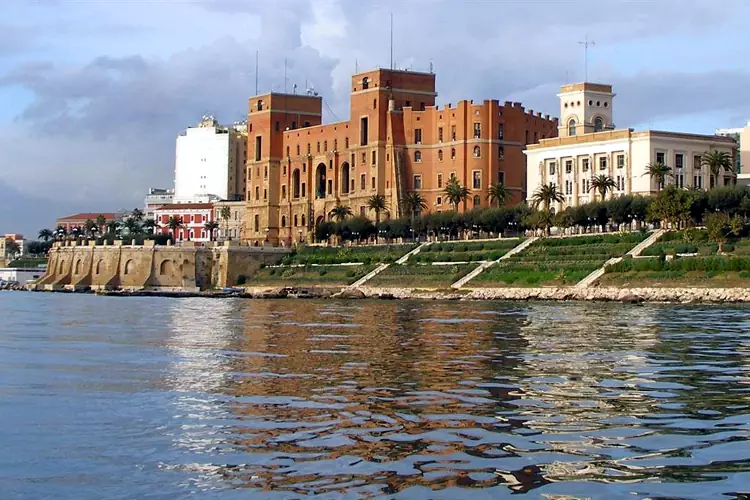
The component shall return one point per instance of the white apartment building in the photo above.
(589, 145)
(742, 137)
(210, 163)
(155, 198)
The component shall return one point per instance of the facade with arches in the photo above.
(590, 145)
(396, 140)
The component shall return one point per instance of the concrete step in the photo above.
(476, 272)
(404, 258)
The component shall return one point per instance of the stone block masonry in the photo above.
(151, 267)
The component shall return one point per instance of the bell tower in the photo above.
(585, 108)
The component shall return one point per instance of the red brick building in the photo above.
(194, 217)
(79, 220)
(396, 141)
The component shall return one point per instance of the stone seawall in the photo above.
(151, 267)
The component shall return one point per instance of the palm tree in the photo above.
(174, 223)
(456, 193)
(60, 232)
(716, 161)
(132, 225)
(137, 214)
(101, 222)
(113, 227)
(498, 193)
(658, 171)
(545, 195)
(225, 214)
(89, 227)
(149, 225)
(210, 227)
(46, 235)
(603, 183)
(377, 204)
(341, 212)
(413, 203)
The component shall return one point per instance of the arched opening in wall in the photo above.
(166, 267)
(283, 221)
(98, 269)
(345, 178)
(129, 267)
(295, 183)
(477, 152)
(256, 223)
(598, 124)
(320, 181)
(78, 267)
(320, 220)
(303, 220)
(572, 127)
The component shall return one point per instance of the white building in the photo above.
(155, 198)
(589, 145)
(21, 275)
(742, 137)
(210, 163)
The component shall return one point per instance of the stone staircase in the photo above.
(476, 272)
(382, 267)
(406, 257)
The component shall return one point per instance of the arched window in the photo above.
(295, 183)
(440, 155)
(477, 200)
(303, 219)
(256, 223)
(598, 125)
(78, 266)
(365, 83)
(417, 156)
(129, 267)
(260, 105)
(345, 178)
(572, 127)
(320, 178)
(453, 153)
(283, 221)
(477, 151)
(296, 220)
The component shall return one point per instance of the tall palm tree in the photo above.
(603, 183)
(137, 214)
(46, 235)
(210, 227)
(498, 193)
(716, 161)
(174, 223)
(341, 212)
(149, 225)
(60, 232)
(132, 226)
(377, 204)
(658, 171)
(101, 222)
(225, 213)
(113, 227)
(456, 193)
(413, 203)
(545, 195)
(90, 227)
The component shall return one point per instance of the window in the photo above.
(572, 127)
(364, 158)
(439, 201)
(440, 181)
(283, 221)
(552, 166)
(661, 158)
(335, 144)
(303, 219)
(260, 105)
(352, 189)
(620, 161)
(501, 177)
(265, 194)
(417, 136)
(363, 132)
(453, 132)
(568, 166)
(477, 180)
(698, 181)
(586, 185)
(304, 190)
(362, 211)
(678, 161)
(500, 132)
(421, 106)
(418, 156)
(287, 150)
(374, 104)
(417, 182)
(477, 130)
(372, 184)
(318, 147)
(477, 152)
(603, 163)
(501, 153)
(346, 142)
(374, 158)
(330, 186)
(440, 134)
(298, 152)
(679, 180)
(697, 162)
(283, 170)
(296, 220)
(453, 153)
(477, 200)
(365, 83)
(276, 126)
(568, 187)
(325, 146)
(440, 155)
(256, 223)
(283, 192)
(363, 182)
(258, 146)
(257, 193)
(265, 172)
(598, 125)
(585, 165)
(309, 151)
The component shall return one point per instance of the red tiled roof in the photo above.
(87, 215)
(186, 206)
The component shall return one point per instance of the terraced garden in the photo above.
(341, 255)
(333, 276)
(466, 251)
(557, 261)
(699, 271)
(421, 275)
(695, 241)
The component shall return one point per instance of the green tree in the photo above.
(137, 214)
(413, 204)
(113, 227)
(498, 193)
(659, 172)
(60, 232)
(716, 161)
(132, 226)
(341, 212)
(603, 183)
(210, 227)
(90, 228)
(46, 235)
(717, 226)
(377, 204)
(545, 195)
(456, 193)
(11, 248)
(539, 219)
(101, 222)
(672, 205)
(225, 213)
(149, 225)
(174, 223)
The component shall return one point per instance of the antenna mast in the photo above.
(285, 75)
(391, 45)
(256, 72)
(586, 44)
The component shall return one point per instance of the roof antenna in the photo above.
(586, 44)
(391, 46)
(256, 72)
(356, 66)
(285, 75)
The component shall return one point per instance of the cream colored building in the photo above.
(232, 228)
(742, 137)
(590, 145)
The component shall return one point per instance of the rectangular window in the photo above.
(304, 190)
(318, 147)
(363, 132)
(309, 151)
(661, 158)
(477, 180)
(277, 127)
(585, 165)
(363, 182)
(283, 192)
(501, 177)
(620, 161)
(501, 152)
(373, 183)
(698, 181)
(440, 134)
(603, 163)
(352, 189)
(678, 161)
(362, 211)
(439, 201)
(265, 172)
(258, 147)
(330, 186)
(453, 133)
(568, 166)
(325, 146)
(374, 158)
(364, 158)
(283, 170)
(500, 132)
(440, 181)
(697, 162)
(552, 166)
(477, 130)
(346, 143)
(417, 182)
(417, 136)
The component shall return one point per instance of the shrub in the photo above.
(323, 272)
(272, 272)
(350, 274)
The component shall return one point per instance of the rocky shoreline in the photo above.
(559, 294)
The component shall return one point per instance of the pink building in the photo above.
(194, 217)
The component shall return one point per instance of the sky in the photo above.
(93, 93)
